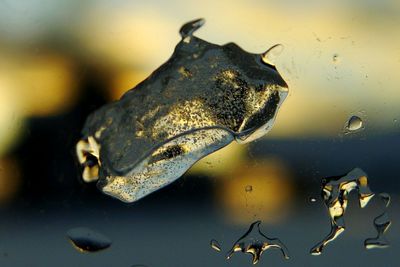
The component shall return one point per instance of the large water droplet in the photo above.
(215, 245)
(269, 57)
(354, 123)
(254, 242)
(189, 28)
(87, 240)
(335, 193)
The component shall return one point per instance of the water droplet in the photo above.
(312, 199)
(254, 242)
(335, 192)
(385, 198)
(249, 188)
(269, 57)
(215, 245)
(189, 28)
(394, 120)
(335, 58)
(86, 240)
(354, 123)
(382, 224)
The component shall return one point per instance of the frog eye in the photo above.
(166, 153)
(87, 151)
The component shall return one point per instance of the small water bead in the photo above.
(335, 58)
(354, 123)
(86, 240)
(249, 188)
(215, 245)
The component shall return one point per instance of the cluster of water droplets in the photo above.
(335, 191)
(253, 242)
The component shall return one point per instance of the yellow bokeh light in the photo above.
(44, 85)
(10, 179)
(125, 80)
(11, 122)
(220, 162)
(256, 191)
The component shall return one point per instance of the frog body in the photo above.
(203, 98)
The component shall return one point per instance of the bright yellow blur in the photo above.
(221, 161)
(125, 80)
(260, 190)
(11, 122)
(43, 84)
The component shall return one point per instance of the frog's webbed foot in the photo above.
(87, 151)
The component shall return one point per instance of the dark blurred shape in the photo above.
(46, 152)
(10, 180)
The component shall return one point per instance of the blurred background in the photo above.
(61, 60)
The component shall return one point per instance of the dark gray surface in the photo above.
(177, 234)
(180, 235)
(173, 226)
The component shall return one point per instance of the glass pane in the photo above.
(62, 60)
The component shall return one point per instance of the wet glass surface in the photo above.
(63, 60)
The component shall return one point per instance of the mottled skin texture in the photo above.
(203, 86)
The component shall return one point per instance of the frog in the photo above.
(204, 97)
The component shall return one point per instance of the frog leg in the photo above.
(165, 163)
